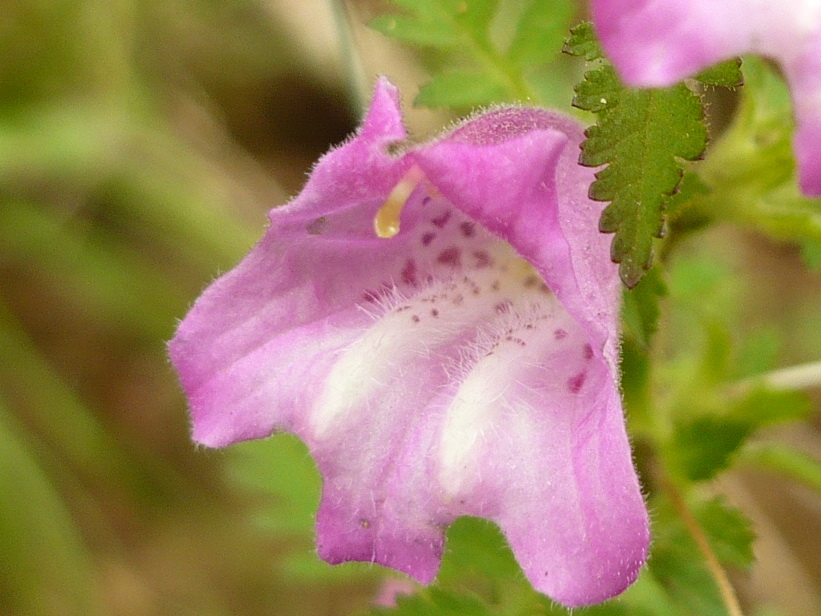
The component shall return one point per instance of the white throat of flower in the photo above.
(463, 319)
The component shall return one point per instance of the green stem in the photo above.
(726, 589)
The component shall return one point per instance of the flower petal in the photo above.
(551, 449)
(259, 334)
(660, 42)
(434, 374)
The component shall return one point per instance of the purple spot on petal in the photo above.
(482, 259)
(467, 228)
(531, 281)
(574, 383)
(441, 221)
(503, 306)
(588, 352)
(427, 238)
(434, 312)
(415, 318)
(559, 334)
(317, 226)
(426, 200)
(409, 273)
(450, 256)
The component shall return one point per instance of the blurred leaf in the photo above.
(281, 476)
(786, 461)
(437, 602)
(68, 428)
(640, 135)
(540, 31)
(690, 187)
(763, 407)
(750, 169)
(640, 309)
(677, 562)
(110, 285)
(811, 251)
(472, 66)
(457, 90)
(758, 352)
(417, 30)
(729, 531)
(702, 446)
(45, 569)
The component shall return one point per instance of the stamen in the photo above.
(386, 221)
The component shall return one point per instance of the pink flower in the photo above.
(660, 42)
(465, 363)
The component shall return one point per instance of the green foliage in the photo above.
(287, 504)
(477, 54)
(811, 251)
(677, 563)
(44, 563)
(438, 602)
(640, 135)
(786, 461)
(640, 308)
(459, 90)
(750, 170)
(729, 531)
(710, 420)
(726, 74)
(702, 446)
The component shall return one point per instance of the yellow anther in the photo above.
(386, 221)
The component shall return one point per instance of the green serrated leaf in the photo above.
(726, 74)
(540, 32)
(640, 135)
(600, 90)
(459, 90)
(583, 42)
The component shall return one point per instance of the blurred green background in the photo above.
(141, 143)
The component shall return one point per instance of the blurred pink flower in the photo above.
(391, 589)
(660, 42)
(464, 363)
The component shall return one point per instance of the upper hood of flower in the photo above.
(660, 42)
(466, 365)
